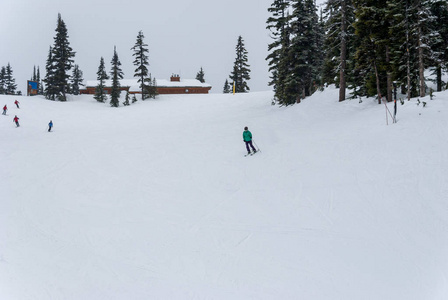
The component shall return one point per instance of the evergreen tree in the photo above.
(403, 49)
(318, 59)
(339, 43)
(303, 56)
(439, 10)
(427, 37)
(77, 80)
(226, 89)
(241, 69)
(141, 62)
(50, 85)
(10, 81)
(33, 78)
(277, 24)
(102, 76)
(126, 99)
(200, 76)
(151, 87)
(3, 81)
(63, 59)
(116, 74)
(373, 54)
(154, 85)
(134, 99)
(39, 84)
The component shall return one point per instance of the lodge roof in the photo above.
(135, 86)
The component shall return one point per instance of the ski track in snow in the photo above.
(156, 201)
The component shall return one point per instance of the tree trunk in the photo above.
(389, 76)
(342, 82)
(421, 65)
(439, 78)
(378, 89)
(408, 63)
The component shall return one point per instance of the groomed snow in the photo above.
(156, 201)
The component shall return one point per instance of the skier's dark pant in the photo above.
(249, 143)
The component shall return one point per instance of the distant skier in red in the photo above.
(16, 120)
(5, 108)
(16, 103)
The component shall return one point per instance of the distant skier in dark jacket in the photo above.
(16, 120)
(247, 138)
(16, 103)
(50, 125)
(5, 108)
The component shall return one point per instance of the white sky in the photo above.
(182, 36)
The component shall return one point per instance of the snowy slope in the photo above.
(156, 201)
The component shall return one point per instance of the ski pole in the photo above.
(256, 146)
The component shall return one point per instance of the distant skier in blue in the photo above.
(50, 125)
(247, 138)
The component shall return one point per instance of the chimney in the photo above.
(175, 77)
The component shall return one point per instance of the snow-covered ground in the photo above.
(157, 201)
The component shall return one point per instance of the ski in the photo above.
(250, 154)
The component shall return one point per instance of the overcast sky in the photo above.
(182, 36)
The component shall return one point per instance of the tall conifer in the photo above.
(241, 71)
(142, 63)
(63, 59)
(102, 76)
(278, 25)
(10, 81)
(77, 80)
(2, 81)
(116, 74)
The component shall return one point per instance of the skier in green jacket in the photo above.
(247, 138)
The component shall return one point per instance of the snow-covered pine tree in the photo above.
(153, 93)
(417, 42)
(116, 74)
(151, 87)
(126, 99)
(278, 25)
(77, 80)
(318, 59)
(403, 47)
(141, 62)
(241, 71)
(373, 53)
(102, 76)
(439, 10)
(2, 81)
(339, 43)
(33, 77)
(303, 54)
(427, 36)
(63, 59)
(39, 84)
(226, 89)
(200, 75)
(10, 81)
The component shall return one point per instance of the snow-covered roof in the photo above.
(135, 86)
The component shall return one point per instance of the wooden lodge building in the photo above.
(174, 86)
